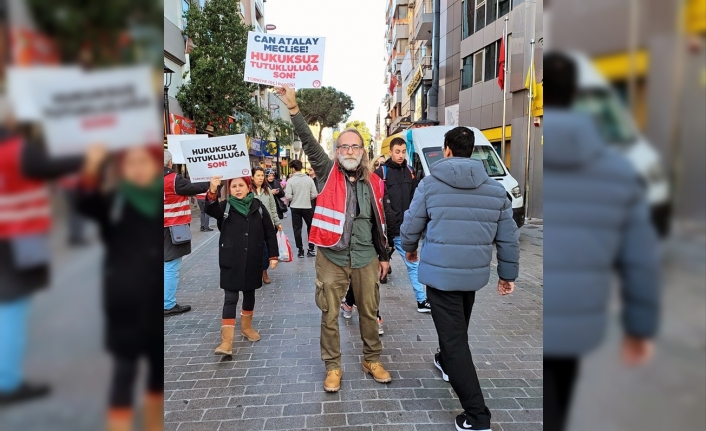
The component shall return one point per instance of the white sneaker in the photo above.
(380, 330)
(347, 311)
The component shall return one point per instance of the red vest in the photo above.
(24, 204)
(330, 213)
(176, 207)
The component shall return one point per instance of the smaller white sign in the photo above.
(174, 145)
(226, 156)
(451, 118)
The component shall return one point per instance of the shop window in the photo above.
(478, 67)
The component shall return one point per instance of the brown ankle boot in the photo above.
(378, 372)
(333, 381)
(246, 328)
(226, 346)
(265, 277)
(154, 412)
(119, 420)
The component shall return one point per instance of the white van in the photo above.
(597, 97)
(424, 148)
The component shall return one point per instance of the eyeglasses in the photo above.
(377, 164)
(347, 148)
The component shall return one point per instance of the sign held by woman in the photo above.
(225, 155)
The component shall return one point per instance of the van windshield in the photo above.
(611, 116)
(483, 153)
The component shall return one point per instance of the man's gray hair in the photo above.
(167, 158)
(350, 130)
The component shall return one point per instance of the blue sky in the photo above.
(354, 31)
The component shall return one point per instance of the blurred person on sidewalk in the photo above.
(459, 197)
(25, 223)
(348, 227)
(247, 231)
(262, 192)
(301, 191)
(205, 218)
(312, 175)
(277, 190)
(129, 216)
(177, 212)
(597, 225)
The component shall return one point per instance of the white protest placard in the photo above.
(174, 146)
(292, 60)
(21, 82)
(224, 155)
(115, 107)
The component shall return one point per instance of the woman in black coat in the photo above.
(278, 192)
(130, 218)
(245, 227)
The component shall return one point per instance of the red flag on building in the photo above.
(501, 64)
(393, 84)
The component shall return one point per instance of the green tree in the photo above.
(216, 89)
(100, 33)
(361, 127)
(325, 106)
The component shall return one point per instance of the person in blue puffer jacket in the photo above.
(597, 227)
(464, 212)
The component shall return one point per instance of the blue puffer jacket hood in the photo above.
(460, 173)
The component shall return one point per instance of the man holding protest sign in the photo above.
(177, 233)
(348, 227)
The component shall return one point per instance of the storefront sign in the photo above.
(181, 126)
(225, 155)
(277, 60)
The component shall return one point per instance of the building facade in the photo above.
(470, 33)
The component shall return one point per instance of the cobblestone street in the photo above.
(277, 383)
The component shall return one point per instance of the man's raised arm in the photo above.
(314, 151)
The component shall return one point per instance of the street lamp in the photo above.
(167, 82)
(388, 121)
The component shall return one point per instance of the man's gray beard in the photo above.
(349, 165)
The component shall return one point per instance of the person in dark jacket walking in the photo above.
(277, 190)
(129, 218)
(597, 226)
(399, 191)
(245, 227)
(458, 196)
(25, 167)
(177, 212)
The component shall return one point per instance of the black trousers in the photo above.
(204, 217)
(298, 216)
(230, 303)
(559, 381)
(350, 299)
(451, 312)
(125, 375)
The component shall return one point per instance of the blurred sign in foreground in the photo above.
(115, 107)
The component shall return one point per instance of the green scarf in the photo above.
(146, 200)
(241, 205)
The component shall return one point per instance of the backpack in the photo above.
(384, 172)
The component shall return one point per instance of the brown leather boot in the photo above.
(119, 420)
(154, 412)
(378, 372)
(265, 277)
(226, 346)
(246, 328)
(333, 381)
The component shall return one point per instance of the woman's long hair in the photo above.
(265, 185)
(363, 170)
